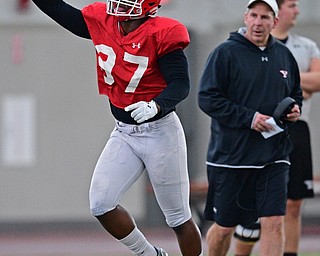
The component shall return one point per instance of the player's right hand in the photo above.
(142, 110)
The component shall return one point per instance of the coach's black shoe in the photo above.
(161, 252)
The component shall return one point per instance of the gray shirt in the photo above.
(304, 50)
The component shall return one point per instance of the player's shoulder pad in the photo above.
(169, 31)
(95, 9)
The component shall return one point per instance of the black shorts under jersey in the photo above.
(300, 174)
(240, 196)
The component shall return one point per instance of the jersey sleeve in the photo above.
(93, 13)
(177, 37)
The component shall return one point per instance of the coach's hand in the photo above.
(142, 110)
(259, 123)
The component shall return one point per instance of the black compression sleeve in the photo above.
(66, 15)
(174, 68)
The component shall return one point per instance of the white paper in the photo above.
(276, 128)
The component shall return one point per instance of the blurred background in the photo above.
(53, 123)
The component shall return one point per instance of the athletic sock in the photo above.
(138, 244)
(290, 254)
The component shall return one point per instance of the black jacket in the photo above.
(239, 80)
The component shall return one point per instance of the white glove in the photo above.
(142, 110)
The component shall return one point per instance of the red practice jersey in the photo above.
(127, 65)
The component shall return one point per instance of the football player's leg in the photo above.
(116, 171)
(111, 179)
(166, 164)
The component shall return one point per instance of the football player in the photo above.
(142, 68)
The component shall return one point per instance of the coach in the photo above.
(244, 80)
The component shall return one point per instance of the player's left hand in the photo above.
(142, 110)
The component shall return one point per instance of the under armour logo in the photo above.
(138, 45)
(284, 73)
(264, 59)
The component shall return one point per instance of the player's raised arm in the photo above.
(66, 15)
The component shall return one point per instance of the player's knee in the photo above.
(249, 234)
(100, 207)
(98, 211)
(177, 218)
(100, 200)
